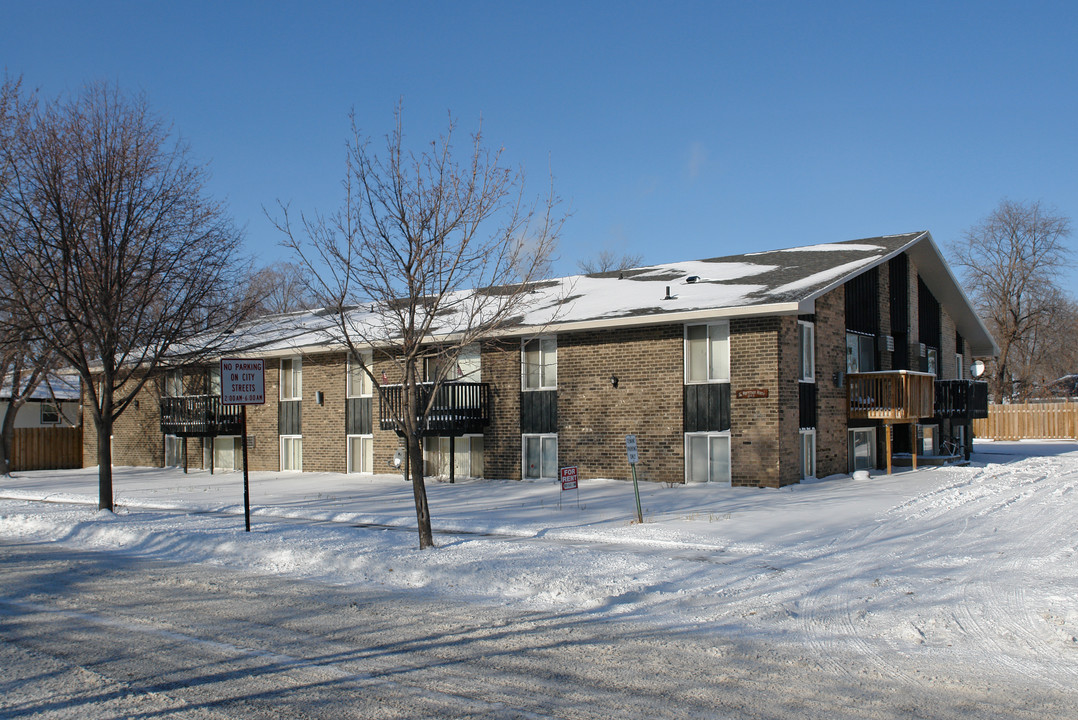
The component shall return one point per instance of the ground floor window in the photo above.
(360, 454)
(467, 456)
(927, 437)
(173, 451)
(707, 457)
(227, 452)
(808, 453)
(862, 449)
(291, 452)
(540, 456)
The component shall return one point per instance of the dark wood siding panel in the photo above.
(862, 302)
(898, 269)
(707, 407)
(289, 417)
(807, 404)
(928, 315)
(357, 416)
(539, 412)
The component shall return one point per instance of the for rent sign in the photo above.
(243, 381)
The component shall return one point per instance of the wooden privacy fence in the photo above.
(50, 448)
(1045, 421)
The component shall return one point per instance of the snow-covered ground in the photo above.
(972, 565)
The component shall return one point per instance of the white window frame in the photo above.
(524, 455)
(872, 444)
(50, 410)
(436, 459)
(366, 387)
(237, 448)
(960, 366)
(711, 436)
(365, 468)
(291, 439)
(805, 328)
(712, 327)
(174, 383)
(296, 371)
(808, 443)
(861, 339)
(544, 343)
(177, 443)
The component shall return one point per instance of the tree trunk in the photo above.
(104, 462)
(7, 439)
(419, 491)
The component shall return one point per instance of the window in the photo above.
(541, 456)
(359, 383)
(932, 360)
(707, 457)
(862, 454)
(291, 378)
(214, 381)
(467, 456)
(360, 454)
(50, 414)
(808, 454)
(860, 353)
(291, 452)
(174, 383)
(173, 451)
(227, 453)
(959, 367)
(806, 344)
(707, 353)
(540, 363)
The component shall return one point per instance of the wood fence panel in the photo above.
(47, 448)
(1032, 421)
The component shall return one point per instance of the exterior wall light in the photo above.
(614, 381)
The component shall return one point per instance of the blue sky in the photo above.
(674, 130)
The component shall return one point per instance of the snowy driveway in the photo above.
(935, 593)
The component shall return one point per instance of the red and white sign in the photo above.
(243, 381)
(568, 478)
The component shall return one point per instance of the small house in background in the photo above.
(48, 426)
(759, 370)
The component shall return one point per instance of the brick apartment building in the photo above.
(757, 370)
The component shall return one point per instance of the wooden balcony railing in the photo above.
(199, 416)
(890, 395)
(961, 399)
(459, 408)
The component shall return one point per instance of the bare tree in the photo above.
(283, 287)
(609, 261)
(437, 254)
(1012, 262)
(115, 253)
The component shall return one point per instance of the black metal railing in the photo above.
(961, 399)
(199, 416)
(458, 408)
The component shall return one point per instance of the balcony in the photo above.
(892, 396)
(459, 408)
(199, 416)
(961, 399)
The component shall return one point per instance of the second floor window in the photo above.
(540, 361)
(174, 383)
(707, 353)
(806, 344)
(291, 378)
(359, 383)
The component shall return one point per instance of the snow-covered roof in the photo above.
(786, 281)
(64, 387)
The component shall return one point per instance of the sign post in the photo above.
(243, 383)
(634, 458)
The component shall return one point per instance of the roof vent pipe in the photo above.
(668, 295)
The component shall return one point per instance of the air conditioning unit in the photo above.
(924, 350)
(888, 342)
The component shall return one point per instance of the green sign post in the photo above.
(634, 458)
